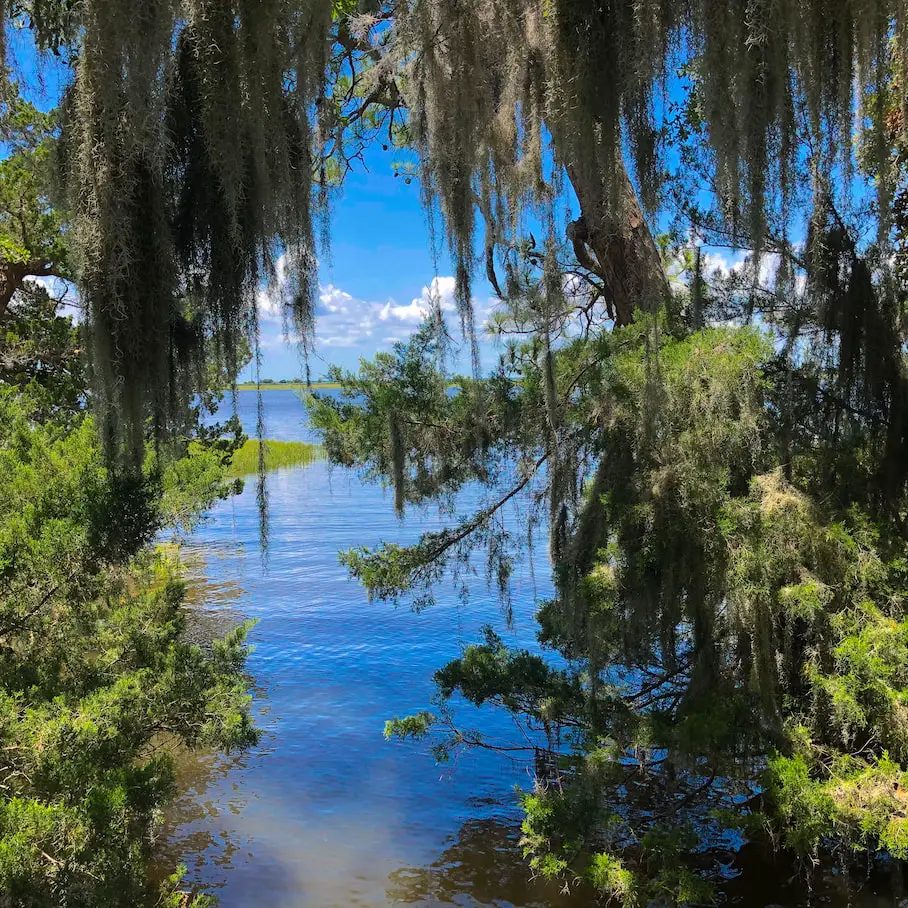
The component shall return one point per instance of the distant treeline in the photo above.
(287, 384)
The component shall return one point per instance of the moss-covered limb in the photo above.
(443, 445)
(188, 127)
(402, 421)
(392, 571)
(278, 454)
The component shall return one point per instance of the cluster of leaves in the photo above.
(735, 645)
(96, 683)
(32, 239)
(39, 350)
(730, 556)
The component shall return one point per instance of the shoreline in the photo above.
(286, 386)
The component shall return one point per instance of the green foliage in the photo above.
(414, 727)
(189, 484)
(278, 454)
(32, 235)
(39, 352)
(613, 879)
(404, 429)
(96, 681)
(736, 641)
(518, 680)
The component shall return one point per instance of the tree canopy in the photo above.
(718, 458)
(198, 138)
(98, 682)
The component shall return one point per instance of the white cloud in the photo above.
(348, 327)
(441, 292)
(65, 292)
(344, 320)
(718, 264)
(444, 289)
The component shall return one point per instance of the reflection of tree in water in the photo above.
(191, 833)
(767, 880)
(214, 591)
(188, 835)
(211, 599)
(483, 866)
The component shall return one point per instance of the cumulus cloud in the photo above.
(440, 292)
(717, 264)
(344, 320)
(65, 292)
(350, 326)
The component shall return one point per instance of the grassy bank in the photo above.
(288, 386)
(277, 454)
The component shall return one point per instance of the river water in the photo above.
(325, 812)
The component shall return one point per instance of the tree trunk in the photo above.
(615, 242)
(14, 274)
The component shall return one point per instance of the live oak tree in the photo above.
(32, 238)
(194, 131)
(98, 684)
(719, 461)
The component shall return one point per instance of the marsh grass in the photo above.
(278, 454)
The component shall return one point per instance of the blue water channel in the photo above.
(326, 812)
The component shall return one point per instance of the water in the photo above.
(325, 812)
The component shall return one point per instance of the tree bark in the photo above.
(13, 275)
(615, 242)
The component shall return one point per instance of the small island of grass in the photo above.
(278, 454)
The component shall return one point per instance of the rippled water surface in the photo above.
(325, 812)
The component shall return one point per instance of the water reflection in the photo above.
(214, 592)
(483, 865)
(765, 880)
(325, 812)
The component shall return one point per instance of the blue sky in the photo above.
(377, 282)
